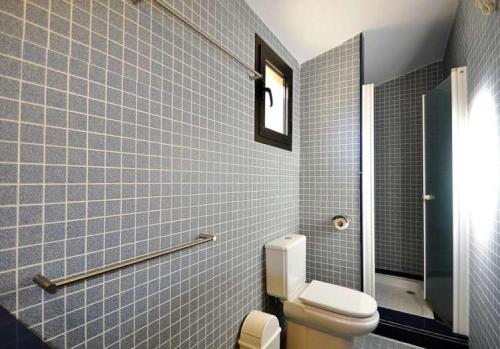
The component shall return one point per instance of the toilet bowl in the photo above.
(319, 314)
(330, 317)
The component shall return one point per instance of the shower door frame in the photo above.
(461, 225)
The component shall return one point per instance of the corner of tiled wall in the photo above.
(330, 163)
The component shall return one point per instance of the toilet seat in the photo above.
(338, 299)
(328, 321)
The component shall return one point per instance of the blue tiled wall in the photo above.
(330, 163)
(123, 132)
(475, 43)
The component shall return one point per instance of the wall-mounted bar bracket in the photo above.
(255, 75)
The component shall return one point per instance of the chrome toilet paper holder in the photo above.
(340, 222)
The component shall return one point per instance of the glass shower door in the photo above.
(438, 201)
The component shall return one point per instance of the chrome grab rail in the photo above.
(255, 74)
(51, 286)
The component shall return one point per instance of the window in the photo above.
(273, 98)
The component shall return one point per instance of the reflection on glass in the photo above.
(275, 114)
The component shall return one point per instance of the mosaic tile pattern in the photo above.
(398, 169)
(330, 163)
(123, 132)
(475, 43)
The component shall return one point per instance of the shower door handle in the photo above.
(428, 197)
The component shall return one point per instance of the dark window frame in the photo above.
(264, 54)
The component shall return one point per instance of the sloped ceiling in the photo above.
(400, 35)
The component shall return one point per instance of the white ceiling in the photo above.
(400, 35)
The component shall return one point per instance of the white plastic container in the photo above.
(260, 331)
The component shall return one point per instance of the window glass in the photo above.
(275, 111)
(273, 98)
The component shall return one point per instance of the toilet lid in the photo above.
(339, 299)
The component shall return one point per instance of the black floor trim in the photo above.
(424, 332)
(400, 274)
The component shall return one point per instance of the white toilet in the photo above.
(319, 314)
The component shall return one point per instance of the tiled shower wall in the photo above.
(122, 132)
(475, 43)
(330, 163)
(398, 169)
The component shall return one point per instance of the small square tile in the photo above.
(31, 134)
(11, 25)
(77, 103)
(8, 195)
(77, 228)
(10, 45)
(10, 67)
(61, 8)
(55, 174)
(55, 155)
(59, 25)
(13, 7)
(32, 153)
(30, 194)
(79, 51)
(54, 308)
(53, 251)
(7, 259)
(34, 53)
(56, 79)
(30, 235)
(9, 88)
(37, 15)
(55, 193)
(56, 98)
(7, 282)
(54, 327)
(76, 210)
(32, 93)
(55, 213)
(33, 73)
(78, 121)
(8, 152)
(31, 173)
(55, 232)
(77, 157)
(30, 215)
(57, 61)
(35, 34)
(8, 131)
(58, 43)
(56, 117)
(8, 173)
(55, 136)
(8, 238)
(31, 316)
(77, 174)
(9, 109)
(32, 113)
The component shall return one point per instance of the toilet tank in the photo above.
(285, 265)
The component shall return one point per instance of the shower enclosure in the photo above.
(444, 199)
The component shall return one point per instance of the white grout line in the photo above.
(43, 184)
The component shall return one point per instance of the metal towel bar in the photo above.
(255, 74)
(51, 285)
